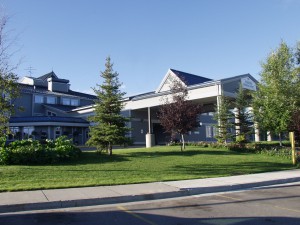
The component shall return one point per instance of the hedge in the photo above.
(33, 152)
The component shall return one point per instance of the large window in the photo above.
(66, 101)
(38, 99)
(208, 131)
(51, 100)
(74, 102)
(27, 132)
(70, 101)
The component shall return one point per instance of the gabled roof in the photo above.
(190, 79)
(48, 75)
(62, 108)
(186, 78)
(26, 88)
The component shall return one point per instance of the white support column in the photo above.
(48, 133)
(150, 141)
(236, 120)
(269, 136)
(149, 121)
(256, 132)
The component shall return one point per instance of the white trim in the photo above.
(166, 77)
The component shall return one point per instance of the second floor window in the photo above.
(51, 100)
(70, 101)
(38, 99)
(74, 102)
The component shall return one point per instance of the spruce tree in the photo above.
(224, 118)
(109, 125)
(243, 116)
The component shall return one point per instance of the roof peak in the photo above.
(188, 78)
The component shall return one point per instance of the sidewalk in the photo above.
(75, 197)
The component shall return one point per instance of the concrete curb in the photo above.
(89, 202)
(181, 192)
(235, 187)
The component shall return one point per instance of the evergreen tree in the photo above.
(243, 116)
(109, 125)
(224, 118)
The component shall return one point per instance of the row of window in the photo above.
(53, 100)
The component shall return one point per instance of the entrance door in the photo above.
(160, 136)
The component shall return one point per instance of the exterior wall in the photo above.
(84, 102)
(38, 109)
(56, 86)
(232, 86)
(195, 93)
(26, 103)
(139, 130)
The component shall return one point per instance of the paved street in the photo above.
(270, 205)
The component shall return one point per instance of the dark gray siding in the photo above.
(25, 102)
(231, 86)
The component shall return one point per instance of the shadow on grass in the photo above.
(210, 170)
(176, 152)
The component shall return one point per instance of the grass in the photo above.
(138, 165)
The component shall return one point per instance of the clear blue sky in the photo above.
(212, 38)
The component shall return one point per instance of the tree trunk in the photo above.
(280, 140)
(110, 149)
(183, 143)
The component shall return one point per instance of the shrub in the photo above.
(33, 152)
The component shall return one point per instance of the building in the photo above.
(50, 110)
(143, 108)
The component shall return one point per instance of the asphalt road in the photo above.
(269, 205)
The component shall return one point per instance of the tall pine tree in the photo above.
(109, 125)
(243, 116)
(224, 118)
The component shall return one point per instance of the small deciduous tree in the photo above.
(178, 115)
(8, 80)
(278, 92)
(109, 125)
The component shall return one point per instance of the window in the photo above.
(74, 102)
(57, 132)
(66, 101)
(14, 133)
(70, 101)
(38, 99)
(27, 131)
(51, 100)
(208, 131)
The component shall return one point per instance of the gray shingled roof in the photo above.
(26, 88)
(190, 79)
(64, 108)
(48, 75)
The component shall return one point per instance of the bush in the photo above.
(33, 152)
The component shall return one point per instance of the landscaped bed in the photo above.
(138, 165)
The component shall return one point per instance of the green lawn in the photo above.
(137, 166)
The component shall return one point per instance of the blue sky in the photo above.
(144, 38)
